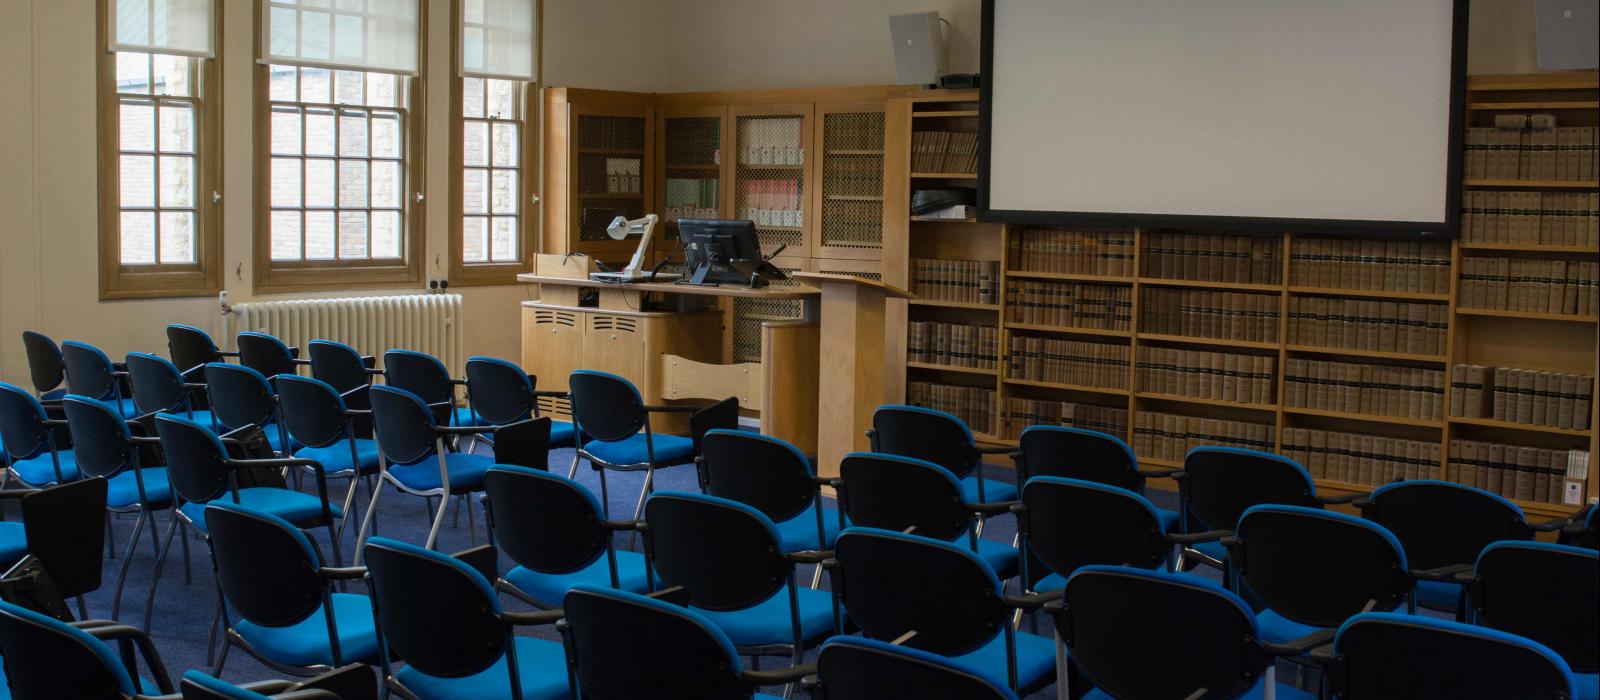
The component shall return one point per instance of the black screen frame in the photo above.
(1449, 229)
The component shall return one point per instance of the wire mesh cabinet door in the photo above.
(772, 156)
(847, 200)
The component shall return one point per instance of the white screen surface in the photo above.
(1282, 109)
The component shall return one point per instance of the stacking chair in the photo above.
(318, 417)
(858, 668)
(1076, 453)
(271, 577)
(1392, 655)
(91, 374)
(935, 596)
(1545, 592)
(48, 658)
(45, 366)
(351, 682)
(502, 394)
(943, 439)
(28, 438)
(349, 373)
(242, 399)
(1443, 527)
(191, 349)
(61, 527)
(202, 473)
(424, 375)
(668, 649)
(416, 460)
(159, 387)
(556, 533)
(267, 354)
(905, 494)
(104, 446)
(613, 431)
(1218, 484)
(774, 477)
(728, 559)
(1132, 633)
(442, 618)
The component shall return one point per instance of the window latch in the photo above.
(535, 199)
(419, 198)
(216, 197)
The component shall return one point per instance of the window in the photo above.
(158, 214)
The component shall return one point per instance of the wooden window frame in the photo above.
(272, 276)
(529, 179)
(203, 277)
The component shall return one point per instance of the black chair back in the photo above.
(265, 354)
(1221, 483)
(501, 392)
(424, 375)
(724, 554)
(338, 364)
(197, 464)
(605, 406)
(544, 522)
(436, 613)
(723, 415)
(22, 428)
(266, 567)
(157, 384)
(895, 493)
(1584, 531)
(349, 682)
(857, 668)
(877, 580)
(1075, 453)
(191, 348)
(1141, 634)
(45, 366)
(925, 434)
(1067, 524)
(1443, 523)
(313, 412)
(102, 445)
(668, 648)
(1318, 567)
(240, 396)
(1389, 655)
(1542, 591)
(89, 371)
(760, 471)
(403, 425)
(47, 658)
(64, 525)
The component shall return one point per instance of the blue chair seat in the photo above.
(122, 490)
(1284, 692)
(1587, 686)
(562, 434)
(276, 439)
(1438, 594)
(466, 472)
(1277, 629)
(41, 471)
(551, 589)
(464, 417)
(541, 667)
(669, 449)
(335, 458)
(294, 506)
(1001, 557)
(768, 622)
(13, 542)
(1036, 659)
(993, 491)
(305, 643)
(124, 407)
(799, 533)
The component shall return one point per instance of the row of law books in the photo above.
(1366, 324)
(1546, 286)
(1203, 313)
(771, 201)
(1355, 458)
(1396, 266)
(604, 133)
(1550, 218)
(1170, 436)
(944, 152)
(1218, 376)
(1021, 413)
(1531, 397)
(1558, 153)
(852, 176)
(973, 405)
(1517, 471)
(771, 141)
(1070, 304)
(1212, 258)
(1074, 362)
(696, 192)
(1102, 253)
(1374, 390)
(852, 223)
(965, 281)
(953, 344)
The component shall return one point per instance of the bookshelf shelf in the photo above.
(1205, 284)
(1067, 276)
(610, 195)
(854, 152)
(1520, 427)
(779, 229)
(852, 198)
(1042, 328)
(1068, 387)
(1503, 106)
(951, 368)
(1549, 510)
(1536, 184)
(1538, 315)
(1531, 247)
(1519, 82)
(1216, 342)
(1174, 398)
(1367, 354)
(624, 152)
(946, 113)
(1369, 293)
(1160, 463)
(1342, 486)
(968, 220)
(954, 305)
(945, 176)
(1364, 417)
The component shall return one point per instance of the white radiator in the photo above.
(427, 323)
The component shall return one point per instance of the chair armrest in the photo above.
(358, 411)
(147, 649)
(227, 353)
(671, 409)
(374, 370)
(1034, 601)
(273, 462)
(624, 525)
(677, 595)
(464, 429)
(355, 390)
(551, 393)
(996, 450)
(816, 557)
(833, 481)
(442, 404)
(1443, 573)
(1155, 473)
(299, 361)
(1198, 537)
(1177, 475)
(1362, 500)
(194, 385)
(343, 573)
(16, 493)
(1549, 525)
(996, 508)
(535, 617)
(1339, 500)
(484, 557)
(144, 440)
(1574, 528)
(1296, 647)
(55, 422)
(778, 676)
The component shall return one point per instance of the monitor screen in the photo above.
(729, 239)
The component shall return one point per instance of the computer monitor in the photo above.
(724, 250)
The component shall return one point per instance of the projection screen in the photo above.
(1335, 116)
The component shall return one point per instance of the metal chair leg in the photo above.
(573, 472)
(438, 519)
(155, 544)
(368, 521)
(638, 510)
(211, 637)
(188, 577)
(111, 543)
(472, 522)
(127, 559)
(155, 574)
(349, 505)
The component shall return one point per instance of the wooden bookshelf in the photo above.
(1369, 294)
(1535, 184)
(1068, 330)
(1067, 277)
(1532, 248)
(1204, 284)
(1527, 315)
(1367, 354)
(1212, 342)
(1068, 387)
(952, 368)
(1519, 427)
(1365, 417)
(945, 176)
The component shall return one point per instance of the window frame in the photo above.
(203, 277)
(529, 173)
(341, 274)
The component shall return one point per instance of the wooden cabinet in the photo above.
(599, 158)
(772, 157)
(847, 202)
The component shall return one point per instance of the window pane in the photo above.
(386, 184)
(475, 192)
(503, 196)
(133, 73)
(381, 89)
(353, 134)
(502, 99)
(286, 183)
(177, 128)
(171, 75)
(319, 132)
(349, 37)
(282, 41)
(320, 182)
(138, 237)
(138, 125)
(285, 132)
(349, 87)
(177, 237)
(505, 239)
(475, 146)
(475, 239)
(472, 97)
(285, 235)
(283, 83)
(177, 181)
(385, 135)
(316, 85)
(352, 183)
(505, 144)
(139, 182)
(319, 235)
(316, 29)
(352, 234)
(385, 234)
